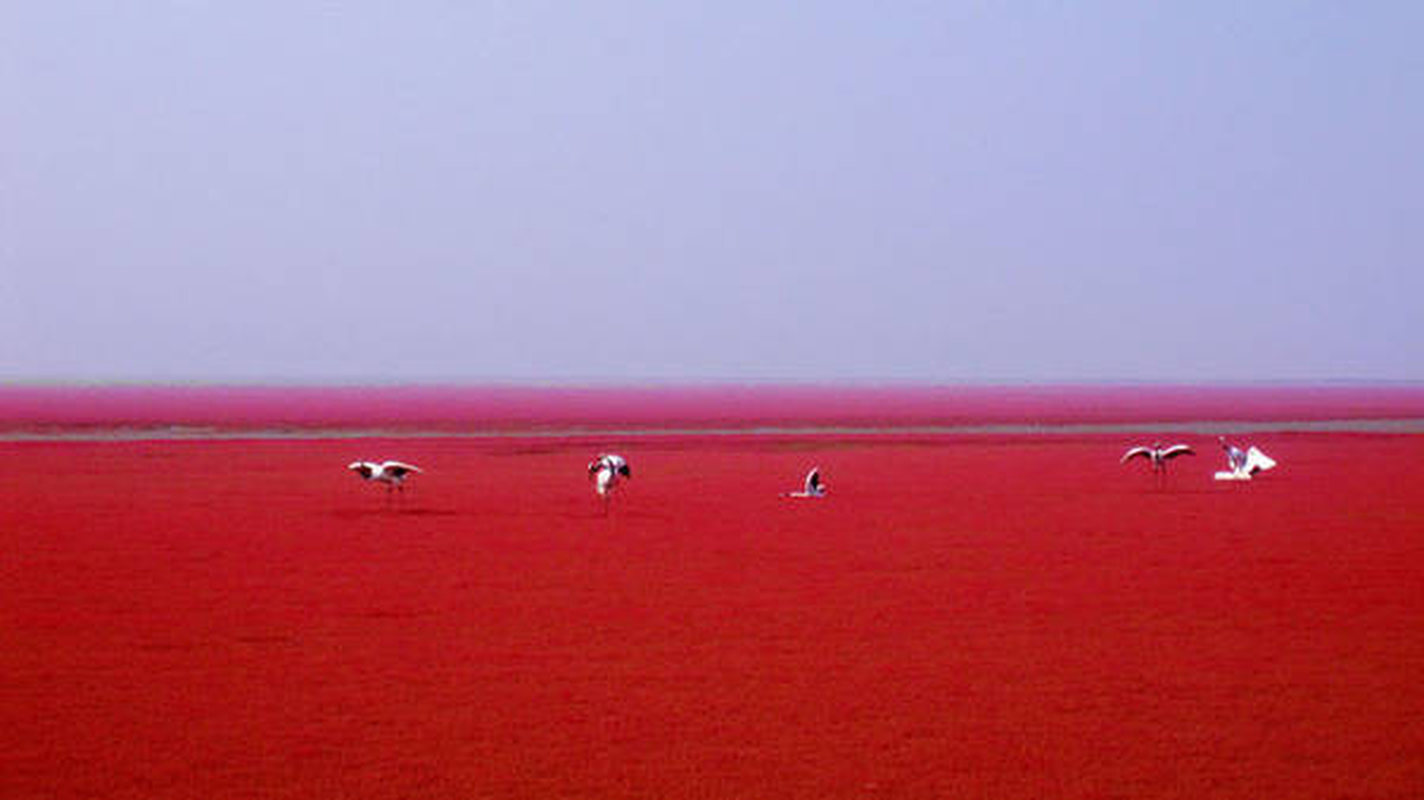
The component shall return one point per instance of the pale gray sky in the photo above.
(628, 191)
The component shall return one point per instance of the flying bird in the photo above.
(814, 486)
(392, 473)
(1158, 455)
(1243, 465)
(606, 471)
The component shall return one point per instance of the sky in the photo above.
(739, 191)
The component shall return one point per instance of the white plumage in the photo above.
(391, 473)
(1242, 466)
(813, 487)
(1158, 455)
(606, 471)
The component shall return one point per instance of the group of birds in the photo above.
(607, 470)
(1241, 464)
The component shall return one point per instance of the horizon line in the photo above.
(695, 383)
(1201, 427)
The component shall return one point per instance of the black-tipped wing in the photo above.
(614, 461)
(610, 461)
(1178, 450)
(398, 469)
(813, 481)
(1145, 452)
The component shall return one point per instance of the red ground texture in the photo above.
(963, 616)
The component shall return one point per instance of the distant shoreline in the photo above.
(29, 413)
(1407, 426)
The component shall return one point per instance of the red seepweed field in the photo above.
(231, 614)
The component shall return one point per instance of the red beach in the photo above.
(199, 600)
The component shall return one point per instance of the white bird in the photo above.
(391, 473)
(1243, 465)
(814, 487)
(1235, 459)
(606, 471)
(1158, 455)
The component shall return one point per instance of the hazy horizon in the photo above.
(712, 382)
(540, 194)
